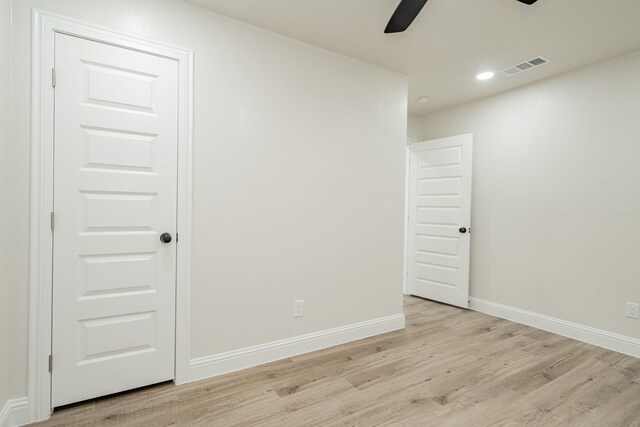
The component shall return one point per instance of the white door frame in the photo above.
(407, 188)
(44, 28)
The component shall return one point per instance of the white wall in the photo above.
(5, 288)
(298, 176)
(414, 127)
(556, 194)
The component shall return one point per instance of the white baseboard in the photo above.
(217, 364)
(608, 340)
(15, 413)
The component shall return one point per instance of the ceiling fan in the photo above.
(408, 10)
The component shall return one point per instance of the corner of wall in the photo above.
(414, 127)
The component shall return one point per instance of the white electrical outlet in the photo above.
(298, 308)
(632, 310)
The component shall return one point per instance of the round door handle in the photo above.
(165, 238)
(462, 230)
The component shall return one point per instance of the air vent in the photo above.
(526, 65)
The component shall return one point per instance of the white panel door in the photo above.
(115, 190)
(439, 219)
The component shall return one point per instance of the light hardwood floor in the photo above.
(449, 367)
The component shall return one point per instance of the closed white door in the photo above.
(439, 230)
(114, 281)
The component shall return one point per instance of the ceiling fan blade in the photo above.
(404, 15)
(529, 2)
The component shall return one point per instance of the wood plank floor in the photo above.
(449, 367)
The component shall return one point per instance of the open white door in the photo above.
(115, 194)
(440, 219)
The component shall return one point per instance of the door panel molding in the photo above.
(109, 219)
(44, 28)
(438, 221)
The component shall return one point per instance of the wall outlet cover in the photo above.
(633, 310)
(298, 308)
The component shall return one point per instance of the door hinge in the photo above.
(53, 221)
(53, 77)
(177, 237)
(50, 363)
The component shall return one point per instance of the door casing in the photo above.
(44, 27)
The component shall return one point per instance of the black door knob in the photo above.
(462, 230)
(165, 238)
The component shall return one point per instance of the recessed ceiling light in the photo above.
(486, 75)
(423, 99)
